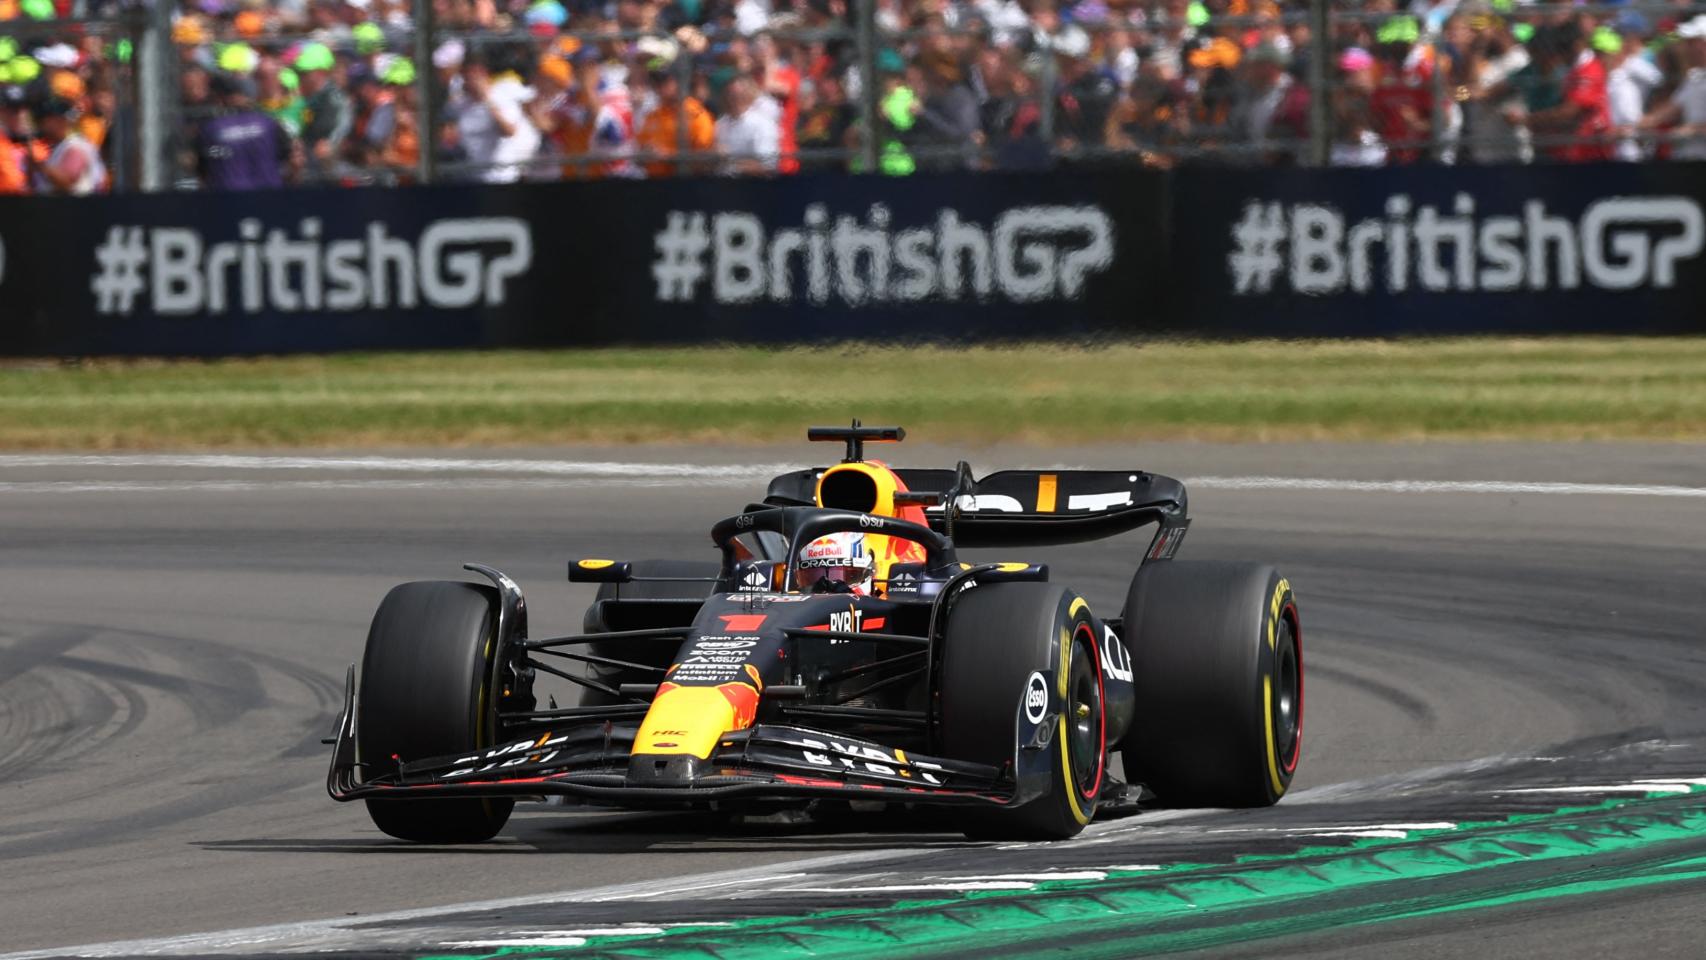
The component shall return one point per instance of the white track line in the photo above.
(344, 933)
(1610, 788)
(349, 933)
(578, 468)
(952, 887)
(1041, 875)
(438, 467)
(1444, 486)
(536, 942)
(241, 486)
(1365, 834)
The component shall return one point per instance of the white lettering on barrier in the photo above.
(1030, 254)
(455, 264)
(1619, 243)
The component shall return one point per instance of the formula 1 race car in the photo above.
(839, 651)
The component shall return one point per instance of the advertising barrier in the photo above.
(797, 259)
(1394, 251)
(1612, 248)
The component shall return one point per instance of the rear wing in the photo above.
(1022, 508)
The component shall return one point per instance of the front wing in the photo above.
(589, 761)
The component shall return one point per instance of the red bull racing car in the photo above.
(842, 650)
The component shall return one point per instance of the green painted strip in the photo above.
(1127, 912)
(1192, 935)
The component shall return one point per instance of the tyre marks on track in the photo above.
(57, 716)
(79, 701)
(1416, 710)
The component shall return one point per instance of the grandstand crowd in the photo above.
(324, 91)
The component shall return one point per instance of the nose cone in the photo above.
(682, 728)
(650, 770)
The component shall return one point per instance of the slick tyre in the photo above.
(998, 635)
(423, 690)
(1217, 652)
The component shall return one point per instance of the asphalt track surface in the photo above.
(173, 637)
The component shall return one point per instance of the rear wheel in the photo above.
(1218, 660)
(424, 679)
(998, 635)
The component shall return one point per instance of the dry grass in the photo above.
(1576, 388)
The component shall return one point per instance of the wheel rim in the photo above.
(1085, 716)
(1288, 695)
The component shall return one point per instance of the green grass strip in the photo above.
(1567, 388)
(1128, 913)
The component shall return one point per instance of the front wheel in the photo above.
(1014, 648)
(1217, 654)
(423, 693)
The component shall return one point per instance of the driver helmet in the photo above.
(835, 558)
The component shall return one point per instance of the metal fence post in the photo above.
(1045, 101)
(1320, 97)
(426, 92)
(1436, 116)
(683, 69)
(155, 122)
(869, 92)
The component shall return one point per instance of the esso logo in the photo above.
(743, 521)
(1036, 698)
(866, 520)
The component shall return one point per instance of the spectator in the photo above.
(1158, 82)
(898, 108)
(747, 135)
(1493, 109)
(1010, 116)
(612, 133)
(1141, 121)
(71, 164)
(326, 109)
(401, 149)
(1686, 107)
(372, 120)
(1402, 103)
(14, 140)
(1584, 109)
(1272, 106)
(826, 122)
(563, 109)
(492, 124)
(948, 128)
(663, 131)
(241, 148)
(1631, 80)
(1355, 141)
(1085, 95)
(780, 81)
(276, 86)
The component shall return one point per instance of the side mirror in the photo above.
(600, 571)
